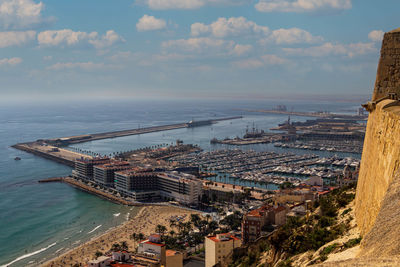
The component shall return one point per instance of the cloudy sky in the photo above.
(191, 48)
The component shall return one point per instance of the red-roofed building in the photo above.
(255, 220)
(219, 246)
(153, 248)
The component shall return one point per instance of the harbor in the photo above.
(266, 167)
(52, 149)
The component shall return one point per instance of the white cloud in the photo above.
(248, 64)
(302, 5)
(16, 38)
(188, 4)
(199, 45)
(68, 37)
(107, 40)
(20, 13)
(234, 26)
(329, 49)
(240, 50)
(376, 35)
(150, 23)
(264, 60)
(88, 66)
(240, 26)
(274, 60)
(10, 61)
(292, 36)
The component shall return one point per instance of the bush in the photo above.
(325, 221)
(328, 207)
(344, 199)
(352, 242)
(346, 211)
(328, 250)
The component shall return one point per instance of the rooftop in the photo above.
(93, 160)
(113, 165)
(226, 237)
(170, 252)
(152, 243)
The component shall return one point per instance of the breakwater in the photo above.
(52, 148)
(98, 136)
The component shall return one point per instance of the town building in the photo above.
(101, 261)
(150, 186)
(252, 224)
(152, 248)
(84, 167)
(105, 174)
(174, 258)
(219, 246)
(256, 220)
(121, 256)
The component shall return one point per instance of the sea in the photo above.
(40, 221)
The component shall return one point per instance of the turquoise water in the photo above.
(38, 221)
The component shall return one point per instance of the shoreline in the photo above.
(145, 221)
(91, 239)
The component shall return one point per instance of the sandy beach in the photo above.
(144, 222)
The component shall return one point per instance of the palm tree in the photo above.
(208, 216)
(172, 223)
(98, 254)
(161, 229)
(124, 245)
(140, 236)
(195, 218)
(116, 247)
(172, 233)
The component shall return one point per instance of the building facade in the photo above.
(254, 221)
(219, 246)
(84, 167)
(150, 186)
(105, 174)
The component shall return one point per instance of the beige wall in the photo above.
(380, 160)
(210, 253)
(216, 251)
(175, 260)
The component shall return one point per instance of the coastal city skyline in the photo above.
(199, 133)
(195, 48)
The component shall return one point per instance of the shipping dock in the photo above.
(311, 114)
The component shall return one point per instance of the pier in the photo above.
(52, 148)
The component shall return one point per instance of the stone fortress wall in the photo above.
(378, 189)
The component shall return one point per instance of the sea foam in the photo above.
(28, 255)
(97, 227)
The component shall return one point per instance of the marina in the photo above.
(347, 146)
(266, 167)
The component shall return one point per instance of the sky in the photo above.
(219, 49)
